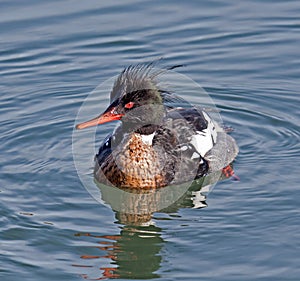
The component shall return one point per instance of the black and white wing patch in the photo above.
(204, 140)
(104, 150)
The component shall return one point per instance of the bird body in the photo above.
(161, 140)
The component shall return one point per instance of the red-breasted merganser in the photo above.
(161, 140)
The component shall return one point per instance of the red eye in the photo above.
(129, 105)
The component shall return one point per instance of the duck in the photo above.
(160, 139)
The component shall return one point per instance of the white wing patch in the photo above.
(204, 140)
(196, 155)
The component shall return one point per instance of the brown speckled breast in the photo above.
(134, 164)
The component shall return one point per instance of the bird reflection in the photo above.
(135, 253)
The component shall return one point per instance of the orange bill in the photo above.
(107, 116)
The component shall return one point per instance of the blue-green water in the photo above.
(53, 54)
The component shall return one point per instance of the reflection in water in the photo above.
(135, 207)
(135, 252)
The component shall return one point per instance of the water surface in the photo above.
(245, 55)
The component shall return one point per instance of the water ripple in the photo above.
(265, 133)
